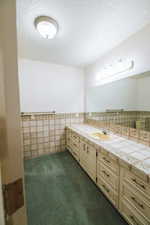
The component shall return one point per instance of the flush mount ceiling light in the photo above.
(46, 26)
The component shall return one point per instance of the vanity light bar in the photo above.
(115, 72)
(120, 67)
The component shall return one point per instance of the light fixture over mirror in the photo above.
(46, 26)
(114, 71)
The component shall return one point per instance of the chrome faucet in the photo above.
(104, 132)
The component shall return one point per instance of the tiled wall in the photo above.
(145, 116)
(125, 118)
(45, 133)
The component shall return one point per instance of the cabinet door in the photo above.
(83, 155)
(91, 161)
(88, 159)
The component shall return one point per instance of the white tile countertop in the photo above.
(134, 154)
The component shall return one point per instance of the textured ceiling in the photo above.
(88, 28)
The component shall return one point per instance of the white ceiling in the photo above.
(88, 28)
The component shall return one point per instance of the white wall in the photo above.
(136, 48)
(143, 85)
(116, 95)
(45, 87)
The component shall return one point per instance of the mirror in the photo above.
(124, 102)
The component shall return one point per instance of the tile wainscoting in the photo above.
(45, 133)
(125, 118)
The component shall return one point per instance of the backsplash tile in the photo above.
(133, 119)
(137, 135)
(125, 131)
(125, 118)
(134, 134)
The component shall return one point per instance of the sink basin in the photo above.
(100, 136)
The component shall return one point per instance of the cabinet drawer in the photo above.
(108, 191)
(131, 215)
(109, 154)
(68, 141)
(136, 199)
(137, 183)
(107, 175)
(75, 137)
(109, 162)
(74, 145)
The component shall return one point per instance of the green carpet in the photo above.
(58, 192)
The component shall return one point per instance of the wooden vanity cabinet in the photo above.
(88, 159)
(108, 176)
(127, 189)
(131, 215)
(134, 193)
(73, 144)
(83, 152)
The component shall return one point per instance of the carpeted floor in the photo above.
(58, 192)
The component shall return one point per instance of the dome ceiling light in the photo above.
(46, 26)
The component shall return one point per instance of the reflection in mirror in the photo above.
(124, 102)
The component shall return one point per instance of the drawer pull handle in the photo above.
(141, 185)
(75, 137)
(84, 146)
(104, 172)
(106, 160)
(133, 219)
(75, 145)
(87, 149)
(139, 204)
(74, 153)
(106, 189)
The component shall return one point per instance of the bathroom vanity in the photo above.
(118, 166)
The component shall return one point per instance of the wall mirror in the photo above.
(124, 102)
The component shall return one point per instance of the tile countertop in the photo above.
(134, 154)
